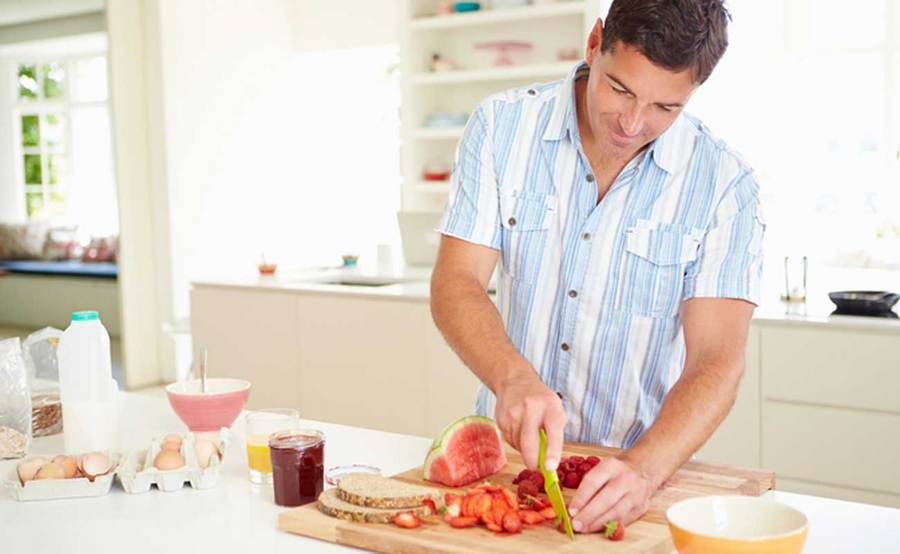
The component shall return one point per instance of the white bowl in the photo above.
(736, 524)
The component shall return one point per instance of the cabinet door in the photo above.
(250, 335)
(450, 387)
(363, 362)
(737, 440)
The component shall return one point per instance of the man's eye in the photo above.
(620, 91)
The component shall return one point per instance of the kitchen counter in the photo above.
(237, 516)
(413, 286)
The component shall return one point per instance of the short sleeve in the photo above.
(730, 258)
(472, 211)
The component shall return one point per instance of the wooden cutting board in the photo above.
(649, 534)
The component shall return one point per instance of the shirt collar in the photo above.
(670, 151)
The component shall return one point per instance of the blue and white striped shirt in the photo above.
(590, 293)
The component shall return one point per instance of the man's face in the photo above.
(629, 100)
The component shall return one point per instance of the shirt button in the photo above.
(586, 236)
(589, 177)
(512, 221)
(532, 92)
(573, 293)
(564, 346)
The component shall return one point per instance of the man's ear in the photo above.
(593, 41)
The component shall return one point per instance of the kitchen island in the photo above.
(236, 516)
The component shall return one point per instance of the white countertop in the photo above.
(237, 516)
(414, 287)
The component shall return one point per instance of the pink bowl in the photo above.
(218, 407)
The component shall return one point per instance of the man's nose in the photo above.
(632, 120)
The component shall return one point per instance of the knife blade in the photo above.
(553, 490)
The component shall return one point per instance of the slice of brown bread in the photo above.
(375, 491)
(331, 505)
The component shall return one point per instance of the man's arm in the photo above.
(715, 332)
(472, 326)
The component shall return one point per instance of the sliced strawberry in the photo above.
(480, 504)
(614, 531)
(531, 517)
(548, 513)
(494, 527)
(407, 520)
(454, 506)
(465, 508)
(541, 502)
(490, 487)
(463, 522)
(430, 503)
(510, 497)
(512, 523)
(450, 498)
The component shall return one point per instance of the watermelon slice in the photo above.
(467, 450)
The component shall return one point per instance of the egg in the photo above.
(68, 463)
(171, 445)
(173, 437)
(205, 450)
(213, 437)
(168, 459)
(27, 469)
(95, 464)
(51, 470)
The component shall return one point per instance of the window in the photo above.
(809, 93)
(63, 143)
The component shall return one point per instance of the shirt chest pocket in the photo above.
(653, 268)
(525, 220)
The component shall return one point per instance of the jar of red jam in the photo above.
(298, 461)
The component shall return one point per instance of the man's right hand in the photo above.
(524, 405)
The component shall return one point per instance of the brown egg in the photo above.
(168, 459)
(173, 437)
(51, 470)
(27, 469)
(171, 445)
(68, 463)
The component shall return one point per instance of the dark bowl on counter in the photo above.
(864, 302)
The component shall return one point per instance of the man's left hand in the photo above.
(613, 490)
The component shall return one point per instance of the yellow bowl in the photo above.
(736, 525)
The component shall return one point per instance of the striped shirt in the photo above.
(590, 293)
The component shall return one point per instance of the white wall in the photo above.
(18, 11)
(327, 25)
(12, 208)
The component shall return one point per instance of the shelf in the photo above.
(429, 186)
(555, 69)
(438, 133)
(493, 16)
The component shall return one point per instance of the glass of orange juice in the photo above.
(260, 424)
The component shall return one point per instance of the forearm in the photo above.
(472, 326)
(691, 412)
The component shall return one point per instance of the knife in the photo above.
(554, 492)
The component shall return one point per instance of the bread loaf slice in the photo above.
(375, 491)
(331, 505)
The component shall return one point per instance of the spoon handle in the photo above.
(203, 371)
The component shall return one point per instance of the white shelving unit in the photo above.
(548, 26)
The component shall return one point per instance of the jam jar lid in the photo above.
(296, 438)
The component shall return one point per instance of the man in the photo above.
(630, 241)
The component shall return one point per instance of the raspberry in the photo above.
(593, 460)
(576, 460)
(572, 480)
(569, 467)
(584, 467)
(522, 475)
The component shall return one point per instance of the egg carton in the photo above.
(137, 473)
(54, 489)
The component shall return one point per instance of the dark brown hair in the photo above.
(674, 34)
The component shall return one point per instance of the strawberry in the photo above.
(530, 517)
(572, 480)
(463, 522)
(480, 504)
(538, 480)
(490, 487)
(548, 513)
(430, 503)
(494, 527)
(527, 488)
(510, 498)
(407, 520)
(524, 474)
(454, 506)
(614, 531)
(540, 502)
(512, 523)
